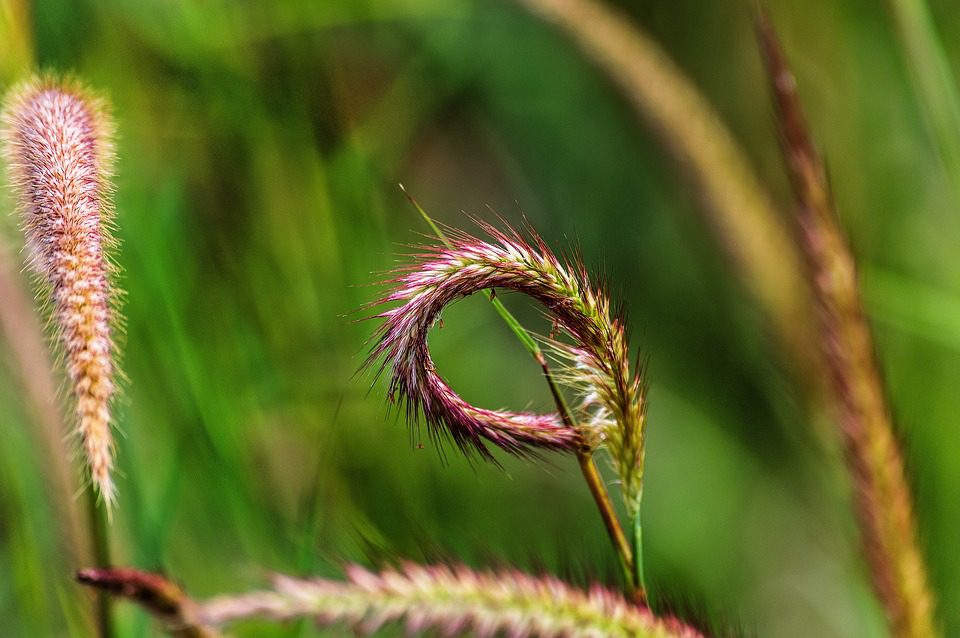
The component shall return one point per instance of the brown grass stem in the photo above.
(163, 599)
(600, 494)
(601, 497)
(882, 496)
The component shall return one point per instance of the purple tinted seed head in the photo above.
(595, 352)
(452, 600)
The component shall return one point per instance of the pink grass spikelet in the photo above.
(595, 354)
(452, 600)
(59, 155)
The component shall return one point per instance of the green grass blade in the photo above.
(913, 307)
(933, 81)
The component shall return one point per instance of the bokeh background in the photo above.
(260, 149)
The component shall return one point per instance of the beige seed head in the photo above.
(59, 154)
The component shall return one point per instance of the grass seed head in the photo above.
(451, 600)
(59, 155)
(595, 352)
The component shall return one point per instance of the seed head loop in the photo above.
(595, 355)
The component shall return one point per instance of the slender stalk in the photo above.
(160, 597)
(99, 536)
(600, 495)
(629, 559)
(585, 458)
(638, 576)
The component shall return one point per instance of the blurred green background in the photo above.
(260, 147)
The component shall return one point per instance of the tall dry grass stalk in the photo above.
(58, 150)
(448, 600)
(883, 500)
(740, 211)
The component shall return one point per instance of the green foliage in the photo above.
(259, 149)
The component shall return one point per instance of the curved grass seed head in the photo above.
(59, 155)
(597, 355)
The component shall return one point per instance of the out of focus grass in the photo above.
(260, 146)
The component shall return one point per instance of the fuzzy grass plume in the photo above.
(452, 600)
(883, 501)
(58, 150)
(598, 360)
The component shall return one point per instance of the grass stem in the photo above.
(99, 535)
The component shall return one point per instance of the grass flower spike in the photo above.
(449, 600)
(598, 356)
(883, 500)
(454, 601)
(59, 154)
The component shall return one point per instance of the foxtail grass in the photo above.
(58, 150)
(882, 496)
(450, 600)
(598, 357)
(629, 552)
(57, 143)
(596, 362)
